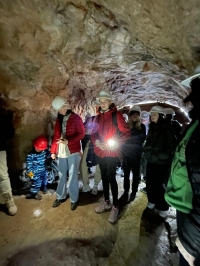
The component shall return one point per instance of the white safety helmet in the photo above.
(104, 95)
(58, 102)
(157, 109)
(169, 111)
(135, 108)
(144, 115)
(187, 81)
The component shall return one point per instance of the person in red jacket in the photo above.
(68, 132)
(111, 134)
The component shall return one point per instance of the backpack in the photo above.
(114, 120)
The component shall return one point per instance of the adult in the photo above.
(133, 153)
(111, 134)
(88, 158)
(158, 151)
(6, 133)
(119, 170)
(144, 116)
(68, 132)
(183, 188)
(170, 113)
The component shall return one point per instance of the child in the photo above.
(36, 167)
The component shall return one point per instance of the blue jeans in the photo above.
(70, 164)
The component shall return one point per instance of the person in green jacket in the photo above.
(183, 188)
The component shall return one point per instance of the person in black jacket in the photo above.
(158, 151)
(183, 188)
(133, 152)
(169, 112)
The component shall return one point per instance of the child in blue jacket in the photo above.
(36, 167)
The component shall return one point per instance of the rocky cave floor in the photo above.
(41, 235)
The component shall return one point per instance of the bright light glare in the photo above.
(37, 213)
(184, 112)
(111, 142)
(145, 102)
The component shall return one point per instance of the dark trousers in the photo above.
(182, 261)
(180, 218)
(156, 175)
(134, 165)
(108, 167)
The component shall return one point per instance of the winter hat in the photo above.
(169, 111)
(157, 109)
(144, 115)
(104, 95)
(59, 102)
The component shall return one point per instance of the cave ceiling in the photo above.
(139, 50)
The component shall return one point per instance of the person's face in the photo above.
(62, 111)
(104, 103)
(145, 121)
(154, 117)
(135, 117)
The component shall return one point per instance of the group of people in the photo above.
(172, 168)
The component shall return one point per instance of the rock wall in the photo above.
(139, 50)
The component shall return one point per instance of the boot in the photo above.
(113, 215)
(103, 207)
(34, 196)
(44, 190)
(9, 202)
(95, 190)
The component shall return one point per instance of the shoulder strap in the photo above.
(114, 118)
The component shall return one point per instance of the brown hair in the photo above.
(136, 125)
